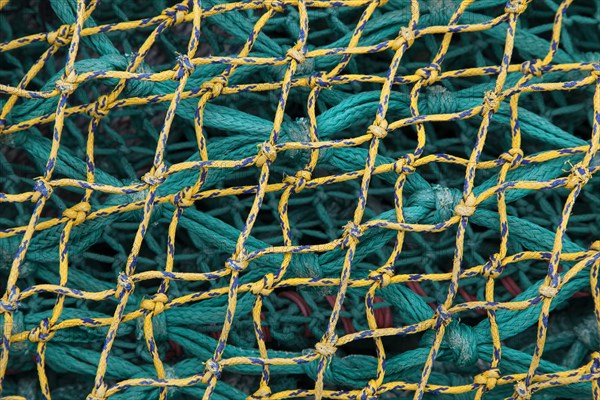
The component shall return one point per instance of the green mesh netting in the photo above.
(350, 199)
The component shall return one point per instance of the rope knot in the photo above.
(263, 392)
(320, 79)
(215, 85)
(595, 246)
(264, 287)
(514, 157)
(467, 206)
(351, 234)
(383, 276)
(177, 13)
(213, 368)
(298, 181)
(3, 123)
(548, 291)
(442, 317)
(184, 66)
(326, 348)
(155, 176)
(295, 55)
(78, 212)
(379, 130)
(406, 35)
(41, 333)
(429, 74)
(266, 154)
(67, 84)
(275, 5)
(42, 188)
(98, 394)
(369, 392)
(100, 108)
(522, 391)
(491, 103)
(580, 175)
(516, 6)
(124, 285)
(184, 198)
(156, 304)
(236, 265)
(60, 37)
(488, 378)
(596, 70)
(404, 165)
(7, 304)
(493, 268)
(532, 67)
(595, 364)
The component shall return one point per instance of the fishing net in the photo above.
(349, 199)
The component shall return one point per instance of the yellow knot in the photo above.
(522, 391)
(548, 291)
(320, 80)
(532, 67)
(155, 176)
(516, 6)
(179, 17)
(99, 394)
(405, 165)
(275, 5)
(263, 392)
(7, 304)
(493, 268)
(595, 246)
(296, 55)
(100, 108)
(124, 285)
(594, 366)
(369, 392)
(42, 189)
(351, 234)
(213, 368)
(77, 213)
(429, 74)
(266, 154)
(488, 378)
(442, 317)
(215, 86)
(264, 286)
(156, 304)
(491, 103)
(383, 276)
(466, 207)
(514, 157)
(298, 181)
(580, 175)
(405, 35)
(185, 198)
(596, 70)
(235, 265)
(326, 348)
(41, 333)
(67, 84)
(379, 130)
(60, 37)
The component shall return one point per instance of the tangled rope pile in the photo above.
(349, 199)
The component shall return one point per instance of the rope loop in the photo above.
(100, 109)
(298, 181)
(467, 206)
(493, 268)
(326, 348)
(382, 276)
(488, 378)
(522, 391)
(404, 165)
(514, 157)
(405, 35)
(235, 265)
(266, 154)
(78, 213)
(579, 176)
(351, 234)
(9, 305)
(41, 333)
(177, 13)
(156, 304)
(429, 74)
(184, 198)
(320, 79)
(215, 86)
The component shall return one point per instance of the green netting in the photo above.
(326, 199)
